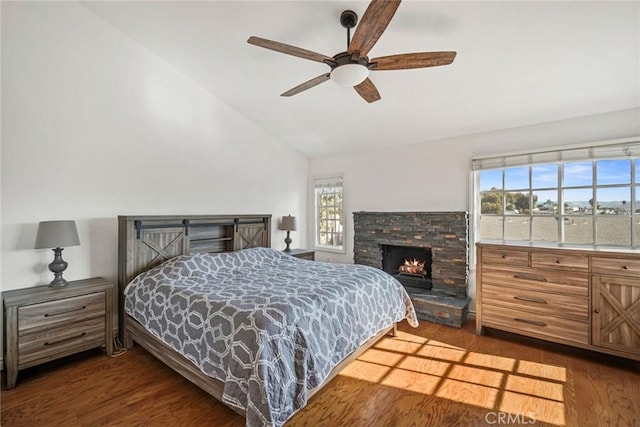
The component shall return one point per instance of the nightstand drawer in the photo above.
(47, 315)
(65, 339)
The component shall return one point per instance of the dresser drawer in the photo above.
(557, 260)
(47, 315)
(537, 325)
(616, 266)
(64, 339)
(569, 306)
(559, 282)
(505, 257)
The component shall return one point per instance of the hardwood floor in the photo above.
(430, 376)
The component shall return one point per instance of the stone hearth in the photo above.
(445, 234)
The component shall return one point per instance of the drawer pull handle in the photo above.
(625, 267)
(527, 277)
(532, 322)
(65, 339)
(65, 311)
(530, 299)
(557, 261)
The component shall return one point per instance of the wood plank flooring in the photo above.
(430, 376)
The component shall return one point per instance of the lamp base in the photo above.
(57, 267)
(58, 282)
(288, 241)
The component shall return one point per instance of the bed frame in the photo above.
(146, 241)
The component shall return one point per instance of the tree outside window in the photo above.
(329, 213)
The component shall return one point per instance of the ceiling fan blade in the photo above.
(368, 91)
(372, 25)
(289, 50)
(412, 60)
(307, 85)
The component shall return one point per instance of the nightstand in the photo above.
(303, 253)
(44, 323)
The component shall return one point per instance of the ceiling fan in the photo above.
(351, 68)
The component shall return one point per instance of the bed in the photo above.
(256, 328)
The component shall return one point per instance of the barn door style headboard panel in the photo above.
(146, 241)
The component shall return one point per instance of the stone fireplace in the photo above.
(385, 240)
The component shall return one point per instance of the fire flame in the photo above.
(413, 266)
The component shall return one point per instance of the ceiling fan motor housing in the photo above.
(349, 70)
(344, 58)
(348, 19)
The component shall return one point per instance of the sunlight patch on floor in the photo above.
(535, 387)
(381, 357)
(532, 390)
(424, 366)
(468, 393)
(441, 352)
(542, 370)
(542, 410)
(407, 380)
(475, 375)
(371, 372)
(490, 361)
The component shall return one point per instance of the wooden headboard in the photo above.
(146, 241)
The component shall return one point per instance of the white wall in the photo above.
(434, 176)
(94, 126)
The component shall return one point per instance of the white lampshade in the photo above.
(56, 234)
(349, 74)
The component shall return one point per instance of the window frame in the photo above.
(628, 148)
(316, 182)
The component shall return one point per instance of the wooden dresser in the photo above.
(44, 323)
(583, 297)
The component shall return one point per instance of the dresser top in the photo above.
(590, 249)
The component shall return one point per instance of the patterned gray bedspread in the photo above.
(270, 326)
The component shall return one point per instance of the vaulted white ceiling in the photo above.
(518, 63)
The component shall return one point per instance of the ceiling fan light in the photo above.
(349, 74)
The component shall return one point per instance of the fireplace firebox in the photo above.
(410, 265)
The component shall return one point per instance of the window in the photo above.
(585, 195)
(329, 213)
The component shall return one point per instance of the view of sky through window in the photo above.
(544, 176)
(600, 212)
(578, 174)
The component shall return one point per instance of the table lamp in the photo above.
(288, 224)
(57, 235)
